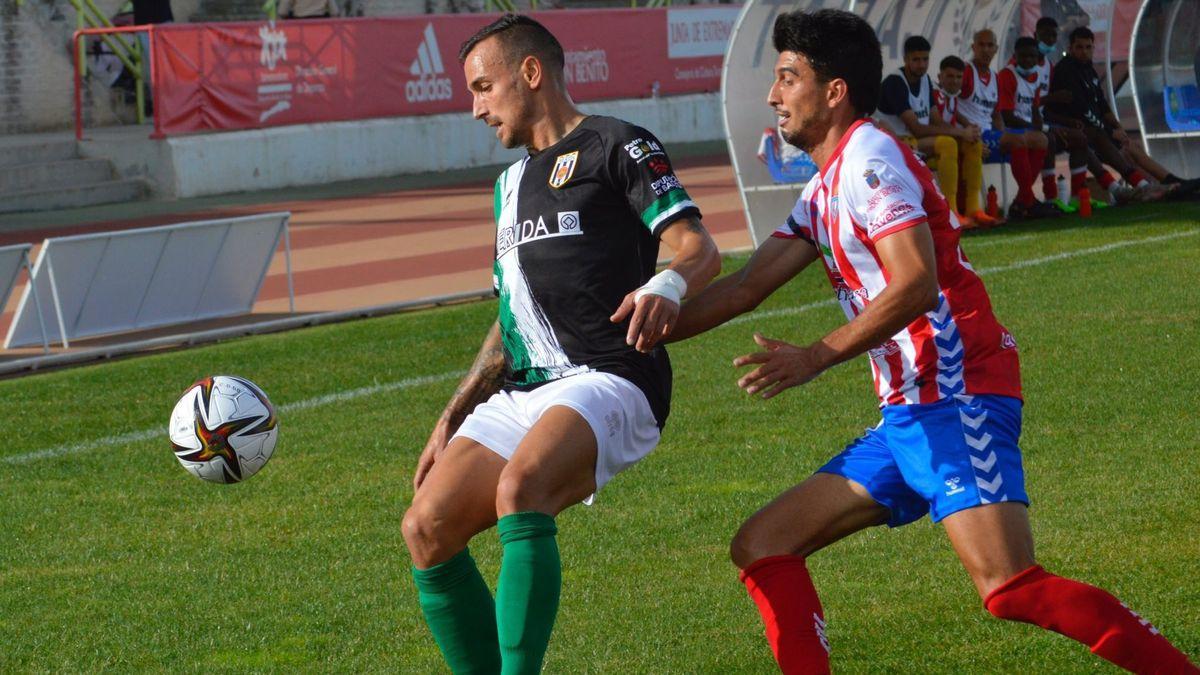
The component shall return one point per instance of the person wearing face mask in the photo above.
(1020, 85)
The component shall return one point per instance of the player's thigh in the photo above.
(928, 145)
(994, 542)
(553, 467)
(586, 429)
(806, 518)
(1012, 139)
(455, 502)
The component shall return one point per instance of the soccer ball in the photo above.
(223, 429)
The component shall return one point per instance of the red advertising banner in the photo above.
(229, 76)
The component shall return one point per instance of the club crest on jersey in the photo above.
(872, 179)
(564, 168)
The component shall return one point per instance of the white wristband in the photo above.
(667, 283)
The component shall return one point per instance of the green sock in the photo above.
(527, 594)
(461, 614)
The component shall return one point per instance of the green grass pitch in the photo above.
(113, 558)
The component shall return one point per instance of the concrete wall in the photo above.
(207, 164)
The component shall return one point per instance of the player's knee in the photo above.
(425, 533)
(752, 544)
(945, 146)
(517, 491)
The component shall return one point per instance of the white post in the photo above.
(62, 326)
(287, 259)
(37, 304)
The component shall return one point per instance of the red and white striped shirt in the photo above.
(872, 187)
(947, 106)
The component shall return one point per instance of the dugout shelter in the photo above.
(949, 25)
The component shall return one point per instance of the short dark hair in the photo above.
(521, 36)
(952, 61)
(916, 43)
(837, 45)
(1025, 42)
(1046, 22)
(1082, 33)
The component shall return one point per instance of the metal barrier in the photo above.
(112, 282)
(88, 16)
(133, 64)
(12, 260)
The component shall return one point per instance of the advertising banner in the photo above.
(225, 76)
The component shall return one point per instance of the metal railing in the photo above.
(89, 20)
(110, 35)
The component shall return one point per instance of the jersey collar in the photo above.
(837, 152)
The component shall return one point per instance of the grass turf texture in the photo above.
(114, 558)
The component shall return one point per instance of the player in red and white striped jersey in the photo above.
(945, 370)
(945, 111)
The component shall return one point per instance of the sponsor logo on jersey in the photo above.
(886, 349)
(431, 83)
(515, 234)
(665, 184)
(895, 212)
(641, 149)
(568, 221)
(872, 179)
(564, 168)
(846, 294)
(876, 197)
(659, 165)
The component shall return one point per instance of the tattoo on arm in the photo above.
(484, 379)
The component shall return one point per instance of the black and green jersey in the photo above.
(577, 228)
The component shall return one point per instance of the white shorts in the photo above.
(614, 407)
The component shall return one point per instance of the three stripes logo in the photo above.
(430, 85)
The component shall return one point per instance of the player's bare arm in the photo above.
(942, 127)
(483, 379)
(775, 263)
(908, 256)
(696, 262)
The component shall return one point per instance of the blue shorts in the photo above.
(939, 458)
(991, 144)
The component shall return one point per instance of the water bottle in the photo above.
(1064, 189)
(1085, 202)
(993, 202)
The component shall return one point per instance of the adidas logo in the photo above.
(427, 67)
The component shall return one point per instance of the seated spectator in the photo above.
(905, 105)
(1025, 149)
(1020, 86)
(970, 155)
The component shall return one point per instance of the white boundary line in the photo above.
(306, 404)
(318, 401)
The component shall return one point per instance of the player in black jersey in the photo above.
(571, 385)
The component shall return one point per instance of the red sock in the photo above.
(1136, 178)
(1049, 184)
(784, 593)
(1078, 180)
(1037, 157)
(1089, 615)
(1106, 180)
(1019, 162)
